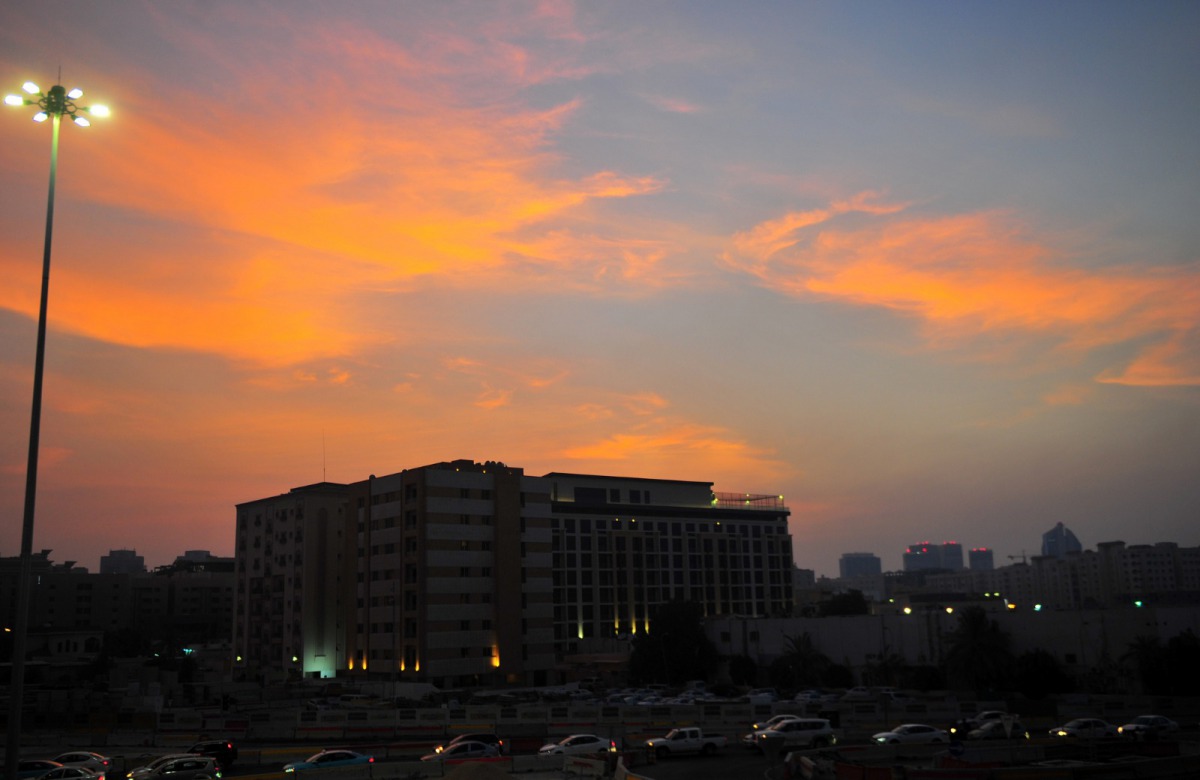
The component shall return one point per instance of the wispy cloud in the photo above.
(968, 275)
(281, 218)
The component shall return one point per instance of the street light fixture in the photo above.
(52, 105)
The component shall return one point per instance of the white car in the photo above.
(578, 745)
(966, 725)
(1085, 728)
(912, 733)
(85, 759)
(1148, 725)
(774, 721)
(798, 733)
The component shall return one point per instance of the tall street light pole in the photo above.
(52, 105)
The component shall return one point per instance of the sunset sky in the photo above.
(929, 270)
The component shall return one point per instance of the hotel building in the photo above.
(465, 573)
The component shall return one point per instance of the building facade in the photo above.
(622, 546)
(981, 559)
(1059, 541)
(463, 573)
(122, 562)
(1111, 575)
(859, 564)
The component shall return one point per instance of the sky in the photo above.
(931, 271)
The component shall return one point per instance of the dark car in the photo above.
(223, 750)
(32, 767)
(486, 737)
(71, 773)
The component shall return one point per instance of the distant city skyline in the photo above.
(925, 270)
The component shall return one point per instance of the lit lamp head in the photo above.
(57, 102)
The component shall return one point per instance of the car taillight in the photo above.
(371, 760)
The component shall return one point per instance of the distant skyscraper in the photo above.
(922, 556)
(1059, 541)
(981, 559)
(952, 556)
(859, 564)
(122, 562)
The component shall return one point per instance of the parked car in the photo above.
(995, 729)
(798, 733)
(179, 767)
(146, 770)
(858, 693)
(32, 767)
(327, 759)
(71, 773)
(966, 725)
(912, 733)
(85, 759)
(467, 750)
(578, 744)
(1148, 726)
(762, 696)
(1085, 728)
(775, 720)
(486, 737)
(223, 750)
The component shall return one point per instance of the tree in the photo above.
(979, 658)
(676, 648)
(743, 670)
(1149, 658)
(886, 670)
(802, 665)
(1038, 674)
(1183, 661)
(851, 602)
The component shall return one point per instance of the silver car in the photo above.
(912, 733)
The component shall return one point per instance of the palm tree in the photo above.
(807, 665)
(1149, 658)
(979, 658)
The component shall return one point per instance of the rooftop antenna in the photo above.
(322, 454)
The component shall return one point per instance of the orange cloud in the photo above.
(968, 275)
(674, 105)
(399, 162)
(671, 447)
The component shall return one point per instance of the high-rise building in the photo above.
(922, 556)
(465, 573)
(1059, 541)
(926, 556)
(952, 556)
(981, 559)
(859, 564)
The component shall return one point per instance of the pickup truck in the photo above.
(686, 740)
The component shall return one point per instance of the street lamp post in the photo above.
(52, 105)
